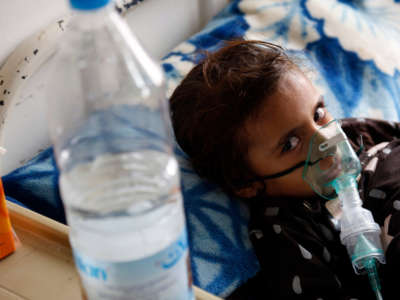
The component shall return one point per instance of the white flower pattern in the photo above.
(370, 28)
(281, 21)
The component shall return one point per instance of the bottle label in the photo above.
(163, 276)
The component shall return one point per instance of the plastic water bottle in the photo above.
(119, 179)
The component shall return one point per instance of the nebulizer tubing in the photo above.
(331, 169)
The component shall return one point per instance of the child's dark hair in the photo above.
(211, 105)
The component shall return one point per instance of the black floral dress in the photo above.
(297, 240)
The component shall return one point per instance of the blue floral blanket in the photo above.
(353, 47)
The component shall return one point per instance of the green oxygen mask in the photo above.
(331, 169)
(330, 158)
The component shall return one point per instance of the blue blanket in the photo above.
(352, 48)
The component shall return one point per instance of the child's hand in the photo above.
(385, 237)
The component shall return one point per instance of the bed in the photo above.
(352, 47)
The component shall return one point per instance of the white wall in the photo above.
(159, 24)
(171, 21)
(21, 18)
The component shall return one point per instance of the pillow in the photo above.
(353, 48)
(352, 45)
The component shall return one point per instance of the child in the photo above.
(245, 116)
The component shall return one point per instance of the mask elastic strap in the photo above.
(282, 173)
(299, 165)
(285, 172)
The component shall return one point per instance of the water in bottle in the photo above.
(119, 179)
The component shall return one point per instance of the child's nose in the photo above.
(311, 130)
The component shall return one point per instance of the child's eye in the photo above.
(319, 114)
(290, 144)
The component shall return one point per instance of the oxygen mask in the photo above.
(330, 158)
(331, 169)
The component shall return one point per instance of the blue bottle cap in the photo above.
(88, 4)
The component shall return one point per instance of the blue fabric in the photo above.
(15, 201)
(353, 47)
(35, 185)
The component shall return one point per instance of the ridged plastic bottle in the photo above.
(119, 179)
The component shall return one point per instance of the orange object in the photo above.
(7, 240)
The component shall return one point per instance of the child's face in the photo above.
(279, 137)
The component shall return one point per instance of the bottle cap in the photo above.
(88, 4)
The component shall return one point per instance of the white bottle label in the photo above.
(163, 276)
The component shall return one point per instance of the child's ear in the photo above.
(250, 191)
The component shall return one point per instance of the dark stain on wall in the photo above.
(60, 24)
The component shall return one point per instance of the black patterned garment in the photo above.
(297, 240)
